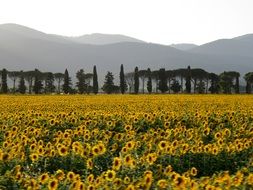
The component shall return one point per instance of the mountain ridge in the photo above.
(47, 52)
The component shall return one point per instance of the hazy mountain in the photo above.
(102, 39)
(13, 30)
(239, 46)
(184, 47)
(27, 49)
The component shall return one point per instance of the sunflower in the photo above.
(70, 176)
(128, 160)
(130, 145)
(168, 170)
(250, 179)
(117, 182)
(43, 178)
(130, 187)
(162, 184)
(151, 158)
(18, 176)
(34, 157)
(102, 148)
(217, 135)
(180, 182)
(127, 180)
(81, 186)
(53, 184)
(148, 178)
(193, 171)
(60, 175)
(90, 178)
(89, 164)
(62, 150)
(95, 150)
(162, 145)
(116, 163)
(110, 175)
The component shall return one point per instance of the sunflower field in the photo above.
(126, 142)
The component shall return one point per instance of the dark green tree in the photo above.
(200, 87)
(170, 75)
(21, 86)
(66, 87)
(14, 75)
(49, 83)
(181, 74)
(226, 82)
(59, 78)
(95, 80)
(136, 80)
(249, 81)
(81, 85)
(123, 85)
(4, 88)
(214, 87)
(163, 87)
(198, 75)
(175, 86)
(38, 86)
(29, 77)
(149, 83)
(109, 86)
(188, 80)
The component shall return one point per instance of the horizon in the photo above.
(160, 22)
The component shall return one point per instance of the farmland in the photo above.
(126, 142)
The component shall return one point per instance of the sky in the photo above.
(156, 21)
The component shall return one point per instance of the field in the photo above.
(126, 142)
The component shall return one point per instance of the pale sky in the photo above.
(156, 21)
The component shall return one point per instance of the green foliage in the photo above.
(163, 87)
(95, 80)
(67, 83)
(21, 86)
(149, 83)
(38, 86)
(81, 85)
(4, 88)
(136, 80)
(123, 85)
(49, 83)
(175, 86)
(109, 86)
(188, 80)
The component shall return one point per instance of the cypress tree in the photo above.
(4, 82)
(37, 82)
(81, 85)
(163, 87)
(136, 80)
(67, 82)
(149, 83)
(123, 85)
(95, 80)
(21, 86)
(188, 80)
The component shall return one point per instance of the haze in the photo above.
(157, 21)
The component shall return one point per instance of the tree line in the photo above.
(184, 80)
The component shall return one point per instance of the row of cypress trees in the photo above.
(165, 80)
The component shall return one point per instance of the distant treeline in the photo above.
(185, 80)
